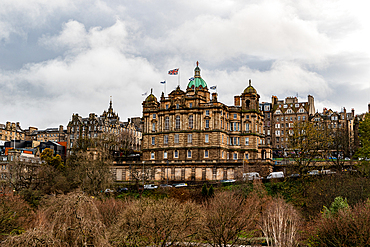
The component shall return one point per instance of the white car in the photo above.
(251, 176)
(275, 175)
(150, 186)
(180, 185)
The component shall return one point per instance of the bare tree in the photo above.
(280, 224)
(24, 175)
(226, 216)
(149, 222)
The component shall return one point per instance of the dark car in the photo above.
(122, 190)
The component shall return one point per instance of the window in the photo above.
(152, 156)
(247, 127)
(222, 137)
(304, 118)
(247, 141)
(190, 138)
(165, 155)
(235, 141)
(176, 138)
(235, 156)
(154, 116)
(206, 138)
(166, 123)
(206, 154)
(191, 121)
(248, 117)
(177, 122)
(235, 116)
(289, 111)
(176, 154)
(301, 110)
(189, 153)
(235, 126)
(165, 139)
(153, 127)
(177, 106)
(207, 112)
(246, 156)
(299, 118)
(153, 140)
(166, 107)
(190, 105)
(277, 133)
(207, 123)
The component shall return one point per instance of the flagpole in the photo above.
(178, 78)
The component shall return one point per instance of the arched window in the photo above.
(191, 121)
(166, 123)
(177, 122)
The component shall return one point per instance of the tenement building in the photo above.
(201, 138)
(108, 125)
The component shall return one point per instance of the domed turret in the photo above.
(250, 88)
(197, 80)
(151, 97)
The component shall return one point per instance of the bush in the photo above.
(348, 227)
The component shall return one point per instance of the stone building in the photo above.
(283, 115)
(11, 131)
(49, 134)
(103, 126)
(200, 137)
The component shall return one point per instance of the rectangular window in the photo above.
(153, 140)
(165, 139)
(247, 141)
(235, 126)
(191, 121)
(247, 127)
(207, 112)
(190, 105)
(206, 138)
(246, 156)
(176, 154)
(166, 123)
(153, 127)
(165, 155)
(152, 156)
(166, 107)
(154, 116)
(235, 141)
(235, 116)
(304, 118)
(207, 123)
(190, 138)
(189, 153)
(206, 154)
(235, 156)
(176, 138)
(177, 106)
(222, 137)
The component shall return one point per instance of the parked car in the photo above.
(314, 172)
(180, 185)
(122, 190)
(294, 175)
(108, 191)
(165, 186)
(252, 176)
(228, 181)
(275, 175)
(150, 186)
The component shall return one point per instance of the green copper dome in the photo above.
(198, 81)
(151, 97)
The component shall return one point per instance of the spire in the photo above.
(197, 71)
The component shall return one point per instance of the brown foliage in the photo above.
(163, 222)
(280, 223)
(68, 220)
(110, 210)
(15, 215)
(350, 227)
(226, 216)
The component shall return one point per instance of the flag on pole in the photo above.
(213, 87)
(143, 94)
(191, 79)
(163, 82)
(173, 72)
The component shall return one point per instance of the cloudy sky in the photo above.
(66, 56)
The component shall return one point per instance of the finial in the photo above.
(197, 63)
(250, 82)
(151, 91)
